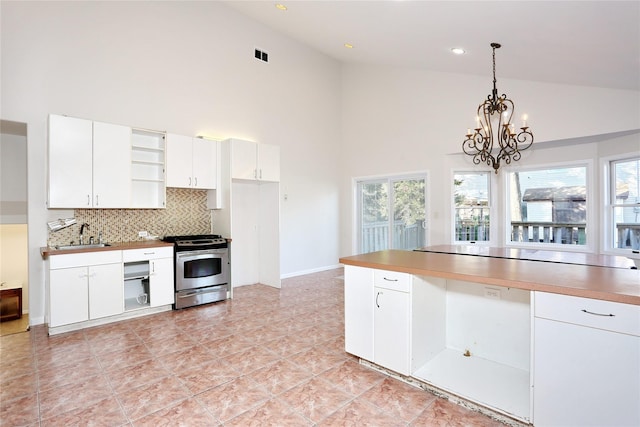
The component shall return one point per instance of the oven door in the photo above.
(197, 269)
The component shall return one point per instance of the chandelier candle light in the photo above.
(493, 124)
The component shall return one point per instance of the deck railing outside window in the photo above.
(549, 232)
(375, 236)
(628, 235)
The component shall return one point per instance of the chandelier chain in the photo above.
(479, 143)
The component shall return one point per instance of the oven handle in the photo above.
(204, 291)
(198, 254)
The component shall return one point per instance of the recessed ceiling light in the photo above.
(281, 6)
(348, 45)
(458, 50)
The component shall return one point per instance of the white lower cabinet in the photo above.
(358, 311)
(69, 295)
(148, 277)
(391, 320)
(88, 286)
(84, 287)
(105, 295)
(377, 317)
(586, 362)
(161, 282)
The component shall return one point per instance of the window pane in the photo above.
(626, 214)
(471, 200)
(549, 206)
(408, 214)
(374, 217)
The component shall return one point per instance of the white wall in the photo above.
(187, 68)
(13, 179)
(397, 120)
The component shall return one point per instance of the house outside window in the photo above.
(472, 209)
(548, 206)
(625, 203)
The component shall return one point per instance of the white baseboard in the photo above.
(313, 270)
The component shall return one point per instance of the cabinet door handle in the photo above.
(97, 200)
(189, 181)
(260, 173)
(195, 181)
(598, 314)
(390, 280)
(153, 267)
(377, 295)
(88, 199)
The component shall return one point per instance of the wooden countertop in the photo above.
(46, 251)
(604, 283)
(536, 255)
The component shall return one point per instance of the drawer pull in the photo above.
(378, 305)
(598, 314)
(390, 280)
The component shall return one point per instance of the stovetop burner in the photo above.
(197, 241)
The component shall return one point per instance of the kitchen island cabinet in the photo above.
(473, 330)
(587, 362)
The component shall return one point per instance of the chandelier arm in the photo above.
(496, 132)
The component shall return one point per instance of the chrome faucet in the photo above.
(82, 232)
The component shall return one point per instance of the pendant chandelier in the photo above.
(494, 133)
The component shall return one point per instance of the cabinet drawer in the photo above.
(144, 254)
(606, 315)
(392, 280)
(84, 259)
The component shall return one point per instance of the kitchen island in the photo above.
(544, 343)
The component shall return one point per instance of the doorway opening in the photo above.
(14, 259)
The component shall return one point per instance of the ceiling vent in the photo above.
(261, 55)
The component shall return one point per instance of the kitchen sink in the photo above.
(89, 246)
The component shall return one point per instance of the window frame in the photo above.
(592, 223)
(389, 178)
(493, 209)
(608, 222)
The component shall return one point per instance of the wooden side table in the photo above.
(10, 296)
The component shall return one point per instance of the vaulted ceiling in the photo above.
(590, 43)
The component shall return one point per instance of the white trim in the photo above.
(493, 210)
(310, 271)
(592, 201)
(606, 233)
(390, 177)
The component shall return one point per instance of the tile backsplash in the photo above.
(186, 213)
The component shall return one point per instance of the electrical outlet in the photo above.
(492, 293)
(143, 233)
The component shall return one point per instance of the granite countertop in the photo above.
(587, 281)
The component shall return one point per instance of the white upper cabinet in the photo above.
(89, 164)
(70, 162)
(252, 161)
(191, 162)
(111, 165)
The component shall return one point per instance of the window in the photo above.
(391, 213)
(471, 206)
(625, 203)
(548, 206)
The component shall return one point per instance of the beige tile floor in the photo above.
(267, 357)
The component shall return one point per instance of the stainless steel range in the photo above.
(202, 270)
